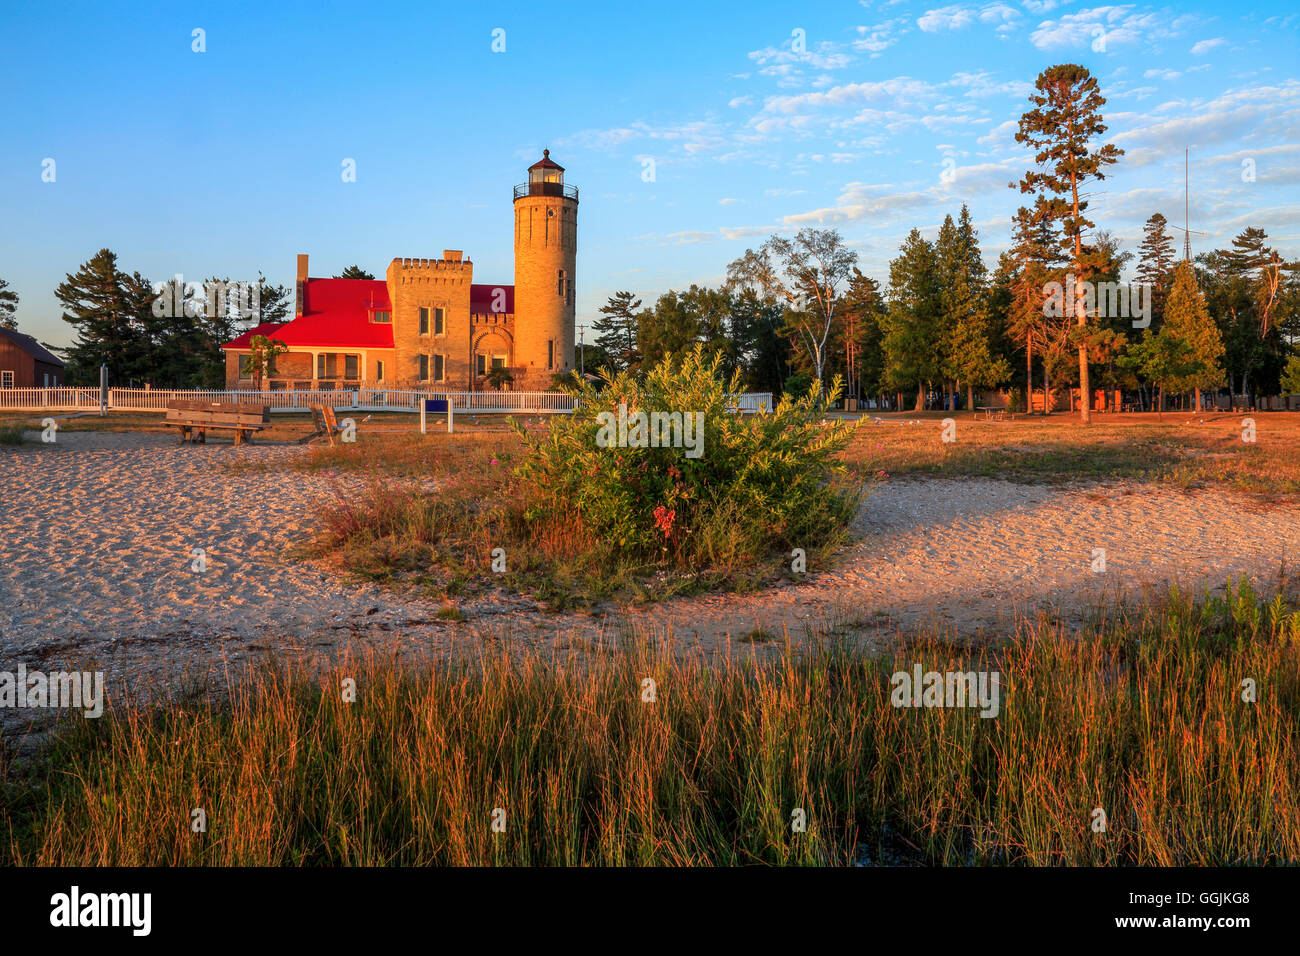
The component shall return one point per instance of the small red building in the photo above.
(25, 363)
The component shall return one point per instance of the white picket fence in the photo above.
(54, 399)
(361, 399)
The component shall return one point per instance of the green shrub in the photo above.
(751, 485)
(11, 434)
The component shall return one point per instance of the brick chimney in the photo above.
(300, 286)
(452, 255)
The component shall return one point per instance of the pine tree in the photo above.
(858, 335)
(969, 358)
(1034, 260)
(1291, 375)
(1188, 322)
(756, 323)
(1155, 265)
(109, 309)
(1250, 256)
(8, 306)
(1063, 126)
(616, 331)
(354, 272)
(912, 329)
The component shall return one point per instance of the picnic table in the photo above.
(992, 412)
(195, 418)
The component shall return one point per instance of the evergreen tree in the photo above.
(1188, 322)
(760, 348)
(1063, 127)
(858, 336)
(8, 306)
(668, 330)
(354, 272)
(912, 329)
(1032, 262)
(969, 358)
(1291, 375)
(109, 309)
(1250, 257)
(1155, 265)
(616, 331)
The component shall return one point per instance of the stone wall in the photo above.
(430, 283)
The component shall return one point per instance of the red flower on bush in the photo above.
(664, 520)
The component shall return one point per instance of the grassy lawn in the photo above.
(1140, 716)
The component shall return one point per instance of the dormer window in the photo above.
(381, 316)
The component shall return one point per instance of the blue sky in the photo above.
(758, 117)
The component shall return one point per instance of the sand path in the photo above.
(97, 535)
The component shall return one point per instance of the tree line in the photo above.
(164, 334)
(798, 310)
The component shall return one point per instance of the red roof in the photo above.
(546, 162)
(481, 299)
(336, 314)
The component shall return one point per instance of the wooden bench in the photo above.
(195, 418)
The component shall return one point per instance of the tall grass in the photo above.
(1138, 715)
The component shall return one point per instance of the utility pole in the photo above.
(582, 352)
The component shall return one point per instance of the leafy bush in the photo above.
(751, 485)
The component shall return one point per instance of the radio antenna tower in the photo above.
(1186, 229)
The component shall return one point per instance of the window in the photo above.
(327, 365)
(381, 317)
(439, 369)
(6, 379)
(480, 364)
(47, 379)
(424, 368)
(498, 361)
(550, 353)
(351, 367)
(560, 283)
(439, 321)
(379, 371)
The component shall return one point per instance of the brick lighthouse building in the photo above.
(427, 323)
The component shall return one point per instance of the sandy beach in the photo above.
(98, 536)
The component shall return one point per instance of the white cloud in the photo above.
(1117, 24)
(823, 56)
(875, 40)
(1205, 46)
(959, 17)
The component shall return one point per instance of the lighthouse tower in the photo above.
(546, 253)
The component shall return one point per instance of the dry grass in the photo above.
(1198, 451)
(1139, 715)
